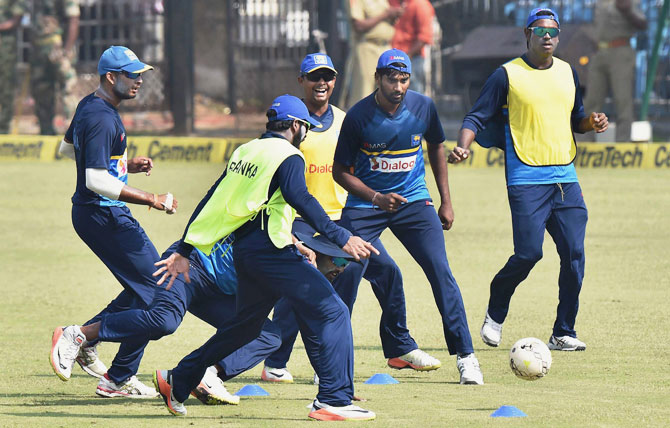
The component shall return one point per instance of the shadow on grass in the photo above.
(135, 416)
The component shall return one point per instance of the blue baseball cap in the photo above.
(546, 14)
(391, 56)
(120, 58)
(289, 107)
(316, 61)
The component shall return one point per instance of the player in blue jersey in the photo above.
(379, 161)
(317, 79)
(530, 107)
(96, 139)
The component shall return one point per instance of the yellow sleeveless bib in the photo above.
(319, 150)
(243, 194)
(540, 103)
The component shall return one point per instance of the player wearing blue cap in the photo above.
(256, 198)
(530, 107)
(317, 79)
(379, 161)
(96, 139)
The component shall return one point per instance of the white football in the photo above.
(530, 359)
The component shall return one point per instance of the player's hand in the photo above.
(446, 214)
(307, 252)
(358, 248)
(140, 164)
(459, 154)
(389, 202)
(171, 268)
(599, 122)
(166, 202)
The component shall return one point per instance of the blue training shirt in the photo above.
(99, 139)
(219, 265)
(385, 149)
(488, 119)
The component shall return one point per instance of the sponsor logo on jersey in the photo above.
(405, 164)
(122, 165)
(241, 167)
(375, 146)
(319, 169)
(415, 139)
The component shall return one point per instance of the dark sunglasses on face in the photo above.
(340, 261)
(130, 75)
(315, 77)
(541, 31)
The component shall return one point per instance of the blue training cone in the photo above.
(381, 379)
(252, 391)
(508, 412)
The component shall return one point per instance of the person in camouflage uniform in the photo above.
(54, 34)
(11, 12)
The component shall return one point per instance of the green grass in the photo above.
(49, 278)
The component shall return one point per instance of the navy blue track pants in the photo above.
(418, 228)
(122, 245)
(393, 331)
(265, 274)
(560, 210)
(204, 299)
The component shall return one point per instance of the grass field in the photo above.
(50, 278)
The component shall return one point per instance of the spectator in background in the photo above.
(413, 32)
(11, 12)
(52, 59)
(371, 33)
(613, 65)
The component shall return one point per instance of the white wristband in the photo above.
(169, 199)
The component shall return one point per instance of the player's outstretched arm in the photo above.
(462, 150)
(171, 268)
(594, 122)
(140, 164)
(100, 181)
(358, 248)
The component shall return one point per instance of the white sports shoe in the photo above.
(65, 344)
(88, 360)
(417, 360)
(131, 388)
(212, 391)
(316, 379)
(276, 375)
(566, 343)
(491, 331)
(468, 366)
(324, 412)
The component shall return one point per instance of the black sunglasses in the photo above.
(130, 75)
(315, 77)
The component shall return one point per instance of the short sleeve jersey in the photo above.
(99, 139)
(385, 149)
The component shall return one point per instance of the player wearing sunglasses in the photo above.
(530, 108)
